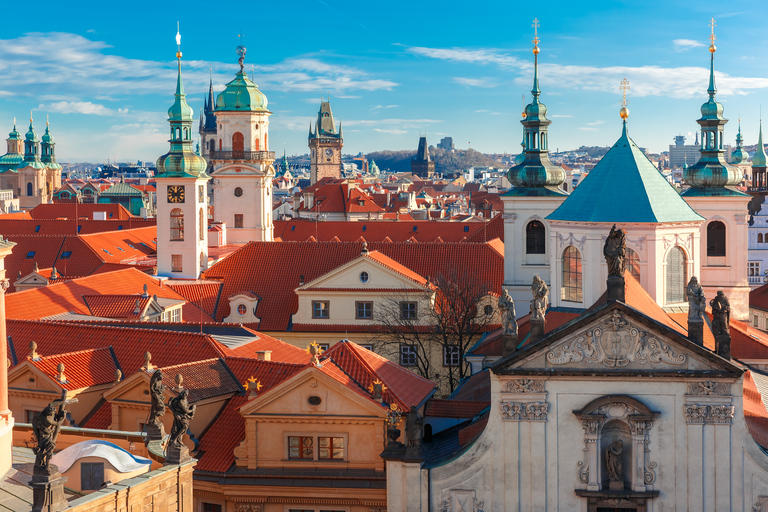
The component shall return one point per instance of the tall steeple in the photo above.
(32, 147)
(759, 162)
(48, 149)
(181, 160)
(536, 175)
(712, 175)
(738, 155)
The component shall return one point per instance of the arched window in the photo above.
(759, 238)
(237, 142)
(203, 224)
(256, 144)
(177, 224)
(676, 278)
(571, 288)
(178, 133)
(186, 134)
(212, 145)
(633, 263)
(29, 189)
(203, 261)
(716, 238)
(535, 242)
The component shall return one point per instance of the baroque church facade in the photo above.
(29, 167)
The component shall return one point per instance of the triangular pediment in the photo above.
(26, 376)
(616, 339)
(133, 389)
(349, 276)
(299, 396)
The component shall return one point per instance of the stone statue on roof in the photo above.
(157, 407)
(540, 299)
(615, 251)
(182, 415)
(414, 428)
(697, 303)
(721, 314)
(46, 426)
(507, 309)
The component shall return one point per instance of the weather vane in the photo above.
(712, 37)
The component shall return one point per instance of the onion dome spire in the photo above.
(181, 160)
(738, 155)
(712, 175)
(760, 160)
(14, 135)
(535, 174)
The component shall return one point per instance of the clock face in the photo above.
(329, 152)
(175, 193)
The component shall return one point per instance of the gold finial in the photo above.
(712, 37)
(624, 112)
(535, 35)
(524, 114)
(178, 42)
(46, 119)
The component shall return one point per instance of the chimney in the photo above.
(264, 355)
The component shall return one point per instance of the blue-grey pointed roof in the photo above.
(625, 187)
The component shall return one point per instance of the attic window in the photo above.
(120, 249)
(37, 228)
(129, 245)
(466, 229)
(120, 227)
(31, 254)
(293, 228)
(106, 251)
(79, 228)
(364, 277)
(365, 227)
(314, 400)
(415, 228)
(65, 255)
(111, 214)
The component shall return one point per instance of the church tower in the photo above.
(713, 195)
(48, 157)
(325, 145)
(536, 193)
(207, 129)
(32, 172)
(422, 165)
(182, 219)
(242, 169)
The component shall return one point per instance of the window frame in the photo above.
(363, 303)
(239, 220)
(535, 237)
(91, 485)
(572, 285)
(327, 309)
(451, 356)
(410, 351)
(177, 263)
(177, 225)
(315, 437)
(718, 231)
(407, 314)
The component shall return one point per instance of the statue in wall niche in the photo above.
(540, 298)
(507, 308)
(615, 251)
(697, 303)
(46, 426)
(721, 314)
(182, 415)
(157, 396)
(414, 428)
(613, 461)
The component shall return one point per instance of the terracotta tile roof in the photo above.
(346, 328)
(203, 294)
(747, 342)
(491, 345)
(489, 230)
(396, 267)
(755, 412)
(471, 432)
(100, 417)
(204, 379)
(476, 387)
(441, 408)
(281, 351)
(217, 444)
(129, 344)
(68, 296)
(245, 270)
(339, 196)
(403, 387)
(299, 230)
(116, 306)
(9, 226)
(82, 369)
(758, 298)
(73, 211)
(15, 215)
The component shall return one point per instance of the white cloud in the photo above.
(587, 129)
(402, 123)
(682, 45)
(485, 82)
(377, 107)
(680, 82)
(77, 107)
(561, 115)
(595, 123)
(393, 131)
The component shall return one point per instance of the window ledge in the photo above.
(317, 461)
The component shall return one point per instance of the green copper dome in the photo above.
(14, 135)
(739, 155)
(241, 95)
(47, 137)
(31, 134)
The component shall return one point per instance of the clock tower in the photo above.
(325, 145)
(182, 210)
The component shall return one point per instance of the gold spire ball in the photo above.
(712, 25)
(624, 112)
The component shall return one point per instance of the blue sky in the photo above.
(106, 75)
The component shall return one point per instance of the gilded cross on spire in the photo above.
(535, 31)
(624, 88)
(712, 37)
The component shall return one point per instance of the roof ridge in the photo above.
(95, 324)
(191, 363)
(251, 359)
(76, 352)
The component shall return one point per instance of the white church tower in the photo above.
(242, 168)
(182, 218)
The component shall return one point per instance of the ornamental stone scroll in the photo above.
(708, 414)
(524, 411)
(523, 386)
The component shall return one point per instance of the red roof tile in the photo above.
(116, 306)
(477, 387)
(440, 408)
(299, 230)
(78, 211)
(203, 379)
(101, 416)
(471, 432)
(203, 294)
(755, 413)
(82, 369)
(217, 445)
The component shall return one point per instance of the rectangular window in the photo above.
(37, 228)
(407, 355)
(300, 447)
(212, 507)
(176, 315)
(176, 263)
(31, 415)
(66, 255)
(451, 355)
(323, 346)
(30, 255)
(407, 310)
(754, 268)
(321, 309)
(754, 321)
(331, 448)
(363, 310)
(367, 347)
(238, 220)
(91, 475)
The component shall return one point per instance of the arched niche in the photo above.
(608, 419)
